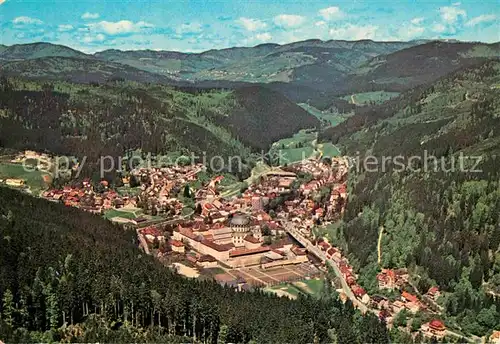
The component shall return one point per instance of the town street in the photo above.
(318, 253)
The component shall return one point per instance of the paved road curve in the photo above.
(320, 254)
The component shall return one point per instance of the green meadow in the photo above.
(34, 179)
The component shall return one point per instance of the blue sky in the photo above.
(94, 25)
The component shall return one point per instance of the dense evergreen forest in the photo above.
(441, 222)
(67, 275)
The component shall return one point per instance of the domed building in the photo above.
(241, 228)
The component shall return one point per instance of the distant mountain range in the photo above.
(311, 70)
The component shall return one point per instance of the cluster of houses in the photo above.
(313, 205)
(160, 187)
(85, 197)
(241, 231)
(387, 279)
(335, 255)
(397, 279)
(158, 190)
(392, 279)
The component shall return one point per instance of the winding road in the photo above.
(318, 253)
(290, 229)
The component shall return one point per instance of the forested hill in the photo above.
(77, 69)
(311, 71)
(38, 50)
(111, 118)
(69, 276)
(306, 62)
(418, 65)
(441, 222)
(264, 116)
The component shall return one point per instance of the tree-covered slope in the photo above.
(301, 62)
(112, 118)
(263, 116)
(308, 65)
(418, 65)
(39, 50)
(439, 210)
(70, 276)
(79, 70)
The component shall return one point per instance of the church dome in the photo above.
(240, 220)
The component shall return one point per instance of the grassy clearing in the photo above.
(34, 180)
(315, 286)
(328, 149)
(296, 148)
(296, 154)
(124, 213)
(304, 137)
(306, 287)
(233, 189)
(329, 118)
(284, 289)
(369, 97)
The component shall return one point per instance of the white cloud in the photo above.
(189, 28)
(2, 1)
(456, 3)
(330, 13)
(26, 20)
(65, 27)
(438, 28)
(410, 32)
(417, 21)
(88, 15)
(264, 37)
(93, 38)
(415, 30)
(320, 23)
(251, 24)
(120, 27)
(450, 14)
(484, 18)
(289, 20)
(354, 32)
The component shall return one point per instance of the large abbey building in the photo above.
(243, 233)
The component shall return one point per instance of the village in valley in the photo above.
(261, 237)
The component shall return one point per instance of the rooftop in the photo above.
(245, 251)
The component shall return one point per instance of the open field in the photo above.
(304, 137)
(331, 119)
(292, 155)
(310, 286)
(284, 289)
(233, 189)
(34, 180)
(130, 214)
(368, 97)
(292, 290)
(296, 148)
(328, 149)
